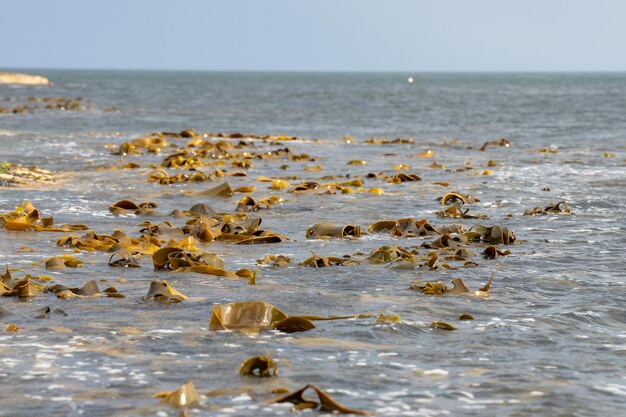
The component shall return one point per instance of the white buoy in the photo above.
(410, 80)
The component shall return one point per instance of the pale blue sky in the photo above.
(316, 35)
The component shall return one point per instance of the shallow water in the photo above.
(550, 339)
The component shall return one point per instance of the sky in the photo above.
(315, 35)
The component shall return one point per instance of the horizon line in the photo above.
(317, 71)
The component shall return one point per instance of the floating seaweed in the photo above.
(326, 230)
(260, 366)
(325, 402)
(556, 208)
(458, 287)
(185, 396)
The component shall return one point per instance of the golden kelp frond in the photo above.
(454, 197)
(458, 287)
(408, 227)
(261, 366)
(125, 258)
(129, 207)
(23, 288)
(250, 204)
(178, 260)
(436, 165)
(64, 261)
(27, 217)
(557, 208)
(293, 324)
(491, 252)
(185, 396)
(504, 142)
(490, 234)
(325, 402)
(149, 144)
(466, 316)
(183, 159)
(312, 187)
(164, 293)
(244, 315)
(162, 177)
(274, 260)
(402, 177)
(325, 230)
(385, 254)
(248, 274)
(384, 318)
(444, 241)
(378, 141)
(357, 162)
(442, 325)
(427, 154)
(319, 262)
(89, 290)
(222, 190)
(456, 211)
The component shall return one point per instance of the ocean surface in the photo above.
(550, 340)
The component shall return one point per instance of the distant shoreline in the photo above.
(17, 78)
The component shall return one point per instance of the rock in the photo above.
(22, 79)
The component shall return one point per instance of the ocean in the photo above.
(549, 339)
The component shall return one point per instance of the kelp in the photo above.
(248, 274)
(503, 142)
(293, 324)
(23, 288)
(125, 207)
(386, 254)
(151, 144)
(260, 366)
(316, 261)
(383, 141)
(117, 241)
(89, 290)
(442, 325)
(176, 259)
(248, 203)
(161, 176)
(454, 198)
(185, 396)
(64, 261)
(410, 227)
(466, 316)
(244, 315)
(125, 259)
(557, 208)
(385, 318)
(222, 190)
(314, 188)
(491, 252)
(11, 328)
(45, 312)
(402, 177)
(456, 211)
(27, 217)
(163, 292)
(274, 260)
(458, 287)
(328, 230)
(325, 402)
(490, 234)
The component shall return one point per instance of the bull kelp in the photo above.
(160, 267)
